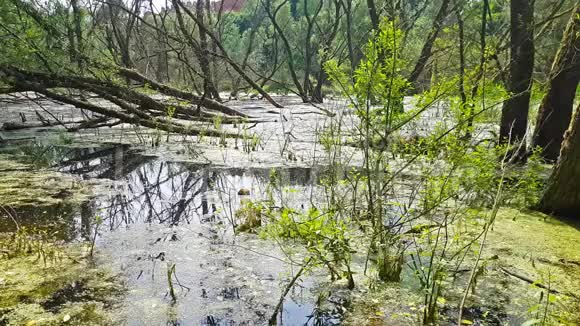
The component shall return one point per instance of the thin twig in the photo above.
(535, 283)
(273, 318)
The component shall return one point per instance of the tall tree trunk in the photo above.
(162, 69)
(562, 194)
(290, 58)
(461, 34)
(204, 60)
(556, 108)
(347, 4)
(428, 46)
(199, 51)
(79, 34)
(214, 49)
(322, 76)
(480, 70)
(308, 46)
(122, 40)
(249, 48)
(514, 118)
(373, 14)
(226, 57)
(72, 52)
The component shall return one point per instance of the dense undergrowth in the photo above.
(442, 218)
(431, 228)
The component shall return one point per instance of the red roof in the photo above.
(228, 5)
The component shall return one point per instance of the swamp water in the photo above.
(173, 208)
(151, 216)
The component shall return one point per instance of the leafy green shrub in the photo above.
(324, 237)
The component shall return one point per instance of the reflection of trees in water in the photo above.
(174, 193)
(111, 163)
(291, 176)
(154, 191)
(150, 191)
(158, 192)
(87, 219)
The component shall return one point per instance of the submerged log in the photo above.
(12, 125)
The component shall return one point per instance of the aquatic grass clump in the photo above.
(23, 242)
(249, 215)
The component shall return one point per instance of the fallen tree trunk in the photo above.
(131, 117)
(133, 105)
(11, 125)
(76, 125)
(107, 88)
(170, 91)
(95, 123)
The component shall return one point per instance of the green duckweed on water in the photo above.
(44, 283)
(24, 184)
(42, 280)
(523, 246)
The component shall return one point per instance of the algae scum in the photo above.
(112, 235)
(106, 235)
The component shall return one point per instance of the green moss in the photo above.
(68, 289)
(526, 243)
(22, 185)
(85, 313)
(385, 305)
(535, 234)
(9, 164)
(543, 249)
(524, 251)
(43, 282)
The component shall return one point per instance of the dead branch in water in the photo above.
(274, 317)
(170, 91)
(10, 126)
(535, 283)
